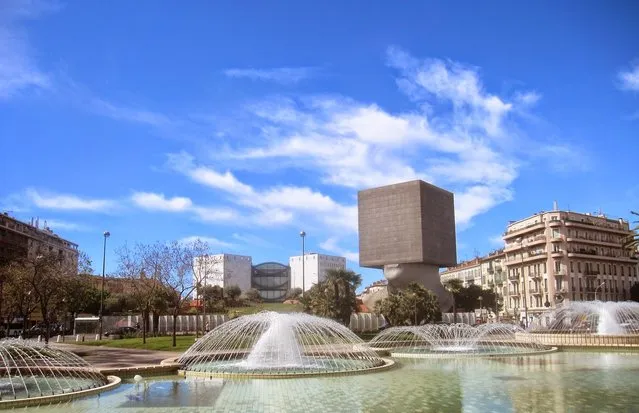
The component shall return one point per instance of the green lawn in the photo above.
(184, 342)
(152, 343)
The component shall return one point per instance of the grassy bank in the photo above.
(184, 342)
(152, 343)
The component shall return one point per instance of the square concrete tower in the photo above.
(407, 223)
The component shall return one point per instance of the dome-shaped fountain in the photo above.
(588, 323)
(457, 340)
(32, 373)
(270, 344)
(596, 317)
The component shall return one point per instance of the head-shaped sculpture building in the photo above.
(408, 230)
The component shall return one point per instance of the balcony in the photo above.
(557, 253)
(583, 240)
(554, 223)
(590, 254)
(517, 232)
(513, 277)
(557, 238)
(535, 275)
(535, 291)
(559, 274)
(590, 225)
(513, 293)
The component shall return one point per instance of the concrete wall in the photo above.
(411, 222)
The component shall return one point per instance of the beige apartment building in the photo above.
(553, 257)
(559, 255)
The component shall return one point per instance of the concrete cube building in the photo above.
(408, 229)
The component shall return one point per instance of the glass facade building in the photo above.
(272, 280)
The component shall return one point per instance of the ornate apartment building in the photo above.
(552, 257)
(21, 240)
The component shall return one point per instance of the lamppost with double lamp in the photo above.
(303, 235)
(107, 234)
(600, 285)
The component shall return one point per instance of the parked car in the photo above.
(120, 332)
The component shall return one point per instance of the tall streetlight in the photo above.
(303, 235)
(107, 234)
(600, 285)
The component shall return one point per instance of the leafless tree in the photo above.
(142, 266)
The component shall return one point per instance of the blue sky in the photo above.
(245, 122)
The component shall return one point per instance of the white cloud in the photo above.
(629, 79)
(158, 202)
(527, 98)
(331, 246)
(18, 69)
(250, 239)
(270, 207)
(68, 202)
(136, 115)
(60, 225)
(282, 75)
(496, 240)
(209, 214)
(211, 241)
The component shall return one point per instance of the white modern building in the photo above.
(315, 267)
(224, 270)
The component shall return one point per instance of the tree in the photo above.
(81, 296)
(334, 297)
(454, 286)
(294, 293)
(412, 305)
(141, 266)
(47, 277)
(253, 295)
(213, 296)
(634, 292)
(20, 300)
(233, 292)
(468, 298)
(632, 241)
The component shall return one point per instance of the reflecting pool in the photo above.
(556, 382)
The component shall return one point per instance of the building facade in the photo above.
(272, 280)
(20, 240)
(559, 255)
(315, 267)
(224, 270)
(553, 257)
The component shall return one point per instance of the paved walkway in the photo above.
(109, 357)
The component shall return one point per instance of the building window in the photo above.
(578, 266)
(572, 269)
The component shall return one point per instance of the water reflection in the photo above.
(559, 382)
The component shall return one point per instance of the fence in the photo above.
(366, 322)
(463, 318)
(185, 323)
(359, 323)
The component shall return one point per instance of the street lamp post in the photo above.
(481, 315)
(303, 235)
(107, 234)
(600, 285)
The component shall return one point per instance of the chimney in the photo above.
(554, 206)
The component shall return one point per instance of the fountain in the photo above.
(270, 344)
(457, 340)
(605, 323)
(32, 373)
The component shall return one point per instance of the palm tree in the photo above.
(632, 241)
(343, 283)
(454, 286)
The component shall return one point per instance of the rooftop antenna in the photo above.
(554, 206)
